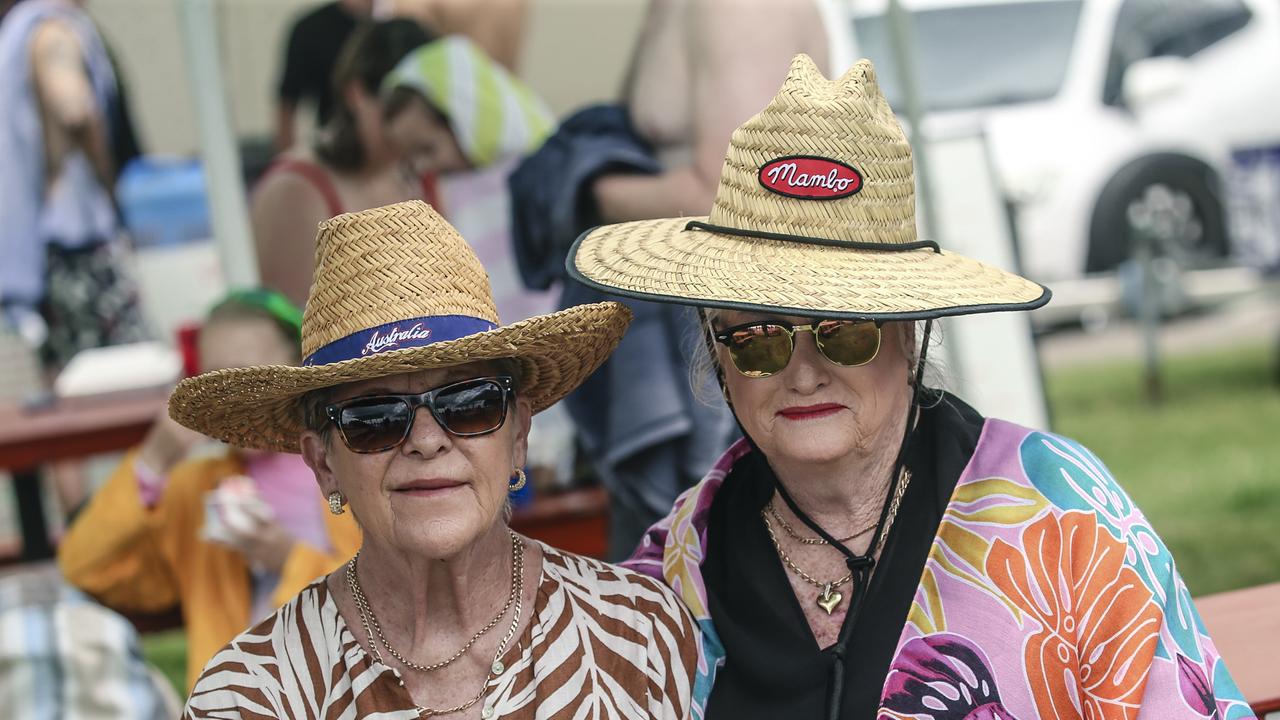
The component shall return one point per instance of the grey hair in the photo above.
(704, 367)
(313, 405)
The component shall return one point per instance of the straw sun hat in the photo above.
(815, 214)
(396, 289)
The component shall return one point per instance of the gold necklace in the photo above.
(367, 618)
(363, 603)
(773, 510)
(829, 598)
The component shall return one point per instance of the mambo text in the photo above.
(377, 343)
(810, 178)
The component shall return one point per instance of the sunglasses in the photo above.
(376, 423)
(760, 349)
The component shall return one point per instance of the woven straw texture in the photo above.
(381, 266)
(847, 120)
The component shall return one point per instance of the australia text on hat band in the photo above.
(377, 343)
(810, 178)
(398, 335)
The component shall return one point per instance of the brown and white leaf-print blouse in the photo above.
(604, 642)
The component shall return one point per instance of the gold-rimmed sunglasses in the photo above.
(764, 347)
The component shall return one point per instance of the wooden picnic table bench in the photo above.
(64, 429)
(1245, 627)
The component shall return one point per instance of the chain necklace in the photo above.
(773, 510)
(829, 598)
(363, 604)
(368, 619)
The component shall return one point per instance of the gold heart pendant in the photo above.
(829, 599)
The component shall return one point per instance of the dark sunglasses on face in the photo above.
(760, 349)
(375, 423)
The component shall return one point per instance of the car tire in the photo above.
(1193, 185)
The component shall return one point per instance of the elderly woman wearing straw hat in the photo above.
(412, 408)
(874, 547)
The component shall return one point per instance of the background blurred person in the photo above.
(226, 537)
(315, 41)
(63, 285)
(350, 168)
(60, 281)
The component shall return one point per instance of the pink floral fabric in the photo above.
(1046, 594)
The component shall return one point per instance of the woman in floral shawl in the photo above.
(873, 547)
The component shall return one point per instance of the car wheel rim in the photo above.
(1170, 215)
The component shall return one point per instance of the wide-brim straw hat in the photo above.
(396, 289)
(815, 214)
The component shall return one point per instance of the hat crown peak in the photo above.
(847, 122)
(388, 264)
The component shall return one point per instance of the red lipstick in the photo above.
(810, 412)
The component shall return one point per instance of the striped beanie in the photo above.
(491, 112)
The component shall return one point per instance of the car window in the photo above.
(962, 54)
(1155, 28)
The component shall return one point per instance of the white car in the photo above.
(1097, 110)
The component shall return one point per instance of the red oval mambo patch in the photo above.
(808, 177)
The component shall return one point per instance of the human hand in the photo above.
(265, 544)
(237, 518)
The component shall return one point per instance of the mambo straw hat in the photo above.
(396, 289)
(815, 213)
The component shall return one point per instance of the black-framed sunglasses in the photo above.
(375, 423)
(764, 347)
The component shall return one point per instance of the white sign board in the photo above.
(989, 359)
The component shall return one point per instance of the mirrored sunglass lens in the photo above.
(848, 342)
(471, 409)
(760, 350)
(375, 423)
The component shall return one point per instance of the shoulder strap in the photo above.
(431, 191)
(317, 176)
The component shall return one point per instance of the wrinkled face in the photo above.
(815, 412)
(436, 493)
(424, 140)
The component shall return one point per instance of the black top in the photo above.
(774, 667)
(314, 43)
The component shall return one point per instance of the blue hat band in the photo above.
(414, 332)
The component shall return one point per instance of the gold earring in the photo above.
(336, 502)
(519, 483)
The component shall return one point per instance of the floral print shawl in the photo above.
(1046, 594)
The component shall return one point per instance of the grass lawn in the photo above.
(1204, 466)
(168, 651)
